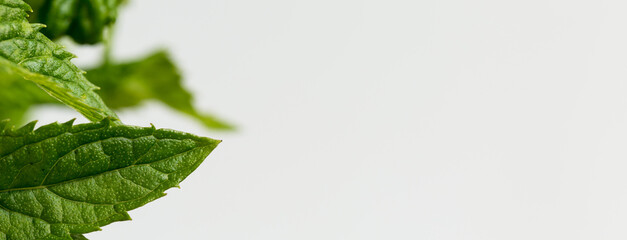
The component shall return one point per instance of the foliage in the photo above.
(122, 85)
(61, 181)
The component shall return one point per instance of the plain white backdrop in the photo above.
(370, 119)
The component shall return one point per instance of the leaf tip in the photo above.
(214, 123)
(69, 123)
(107, 122)
(26, 128)
(37, 26)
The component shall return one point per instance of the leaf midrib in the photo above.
(98, 174)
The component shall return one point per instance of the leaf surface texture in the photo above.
(64, 180)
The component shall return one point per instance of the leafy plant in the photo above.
(64, 180)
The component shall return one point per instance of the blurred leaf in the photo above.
(83, 20)
(122, 85)
(154, 77)
(17, 95)
(24, 51)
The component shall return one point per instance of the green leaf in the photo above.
(154, 77)
(63, 180)
(26, 52)
(83, 20)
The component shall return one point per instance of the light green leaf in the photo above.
(83, 20)
(63, 180)
(26, 52)
(154, 77)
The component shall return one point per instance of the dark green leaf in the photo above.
(63, 180)
(83, 20)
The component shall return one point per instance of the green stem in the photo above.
(108, 45)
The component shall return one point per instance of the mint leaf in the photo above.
(153, 77)
(83, 20)
(25, 51)
(64, 180)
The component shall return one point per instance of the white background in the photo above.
(394, 119)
